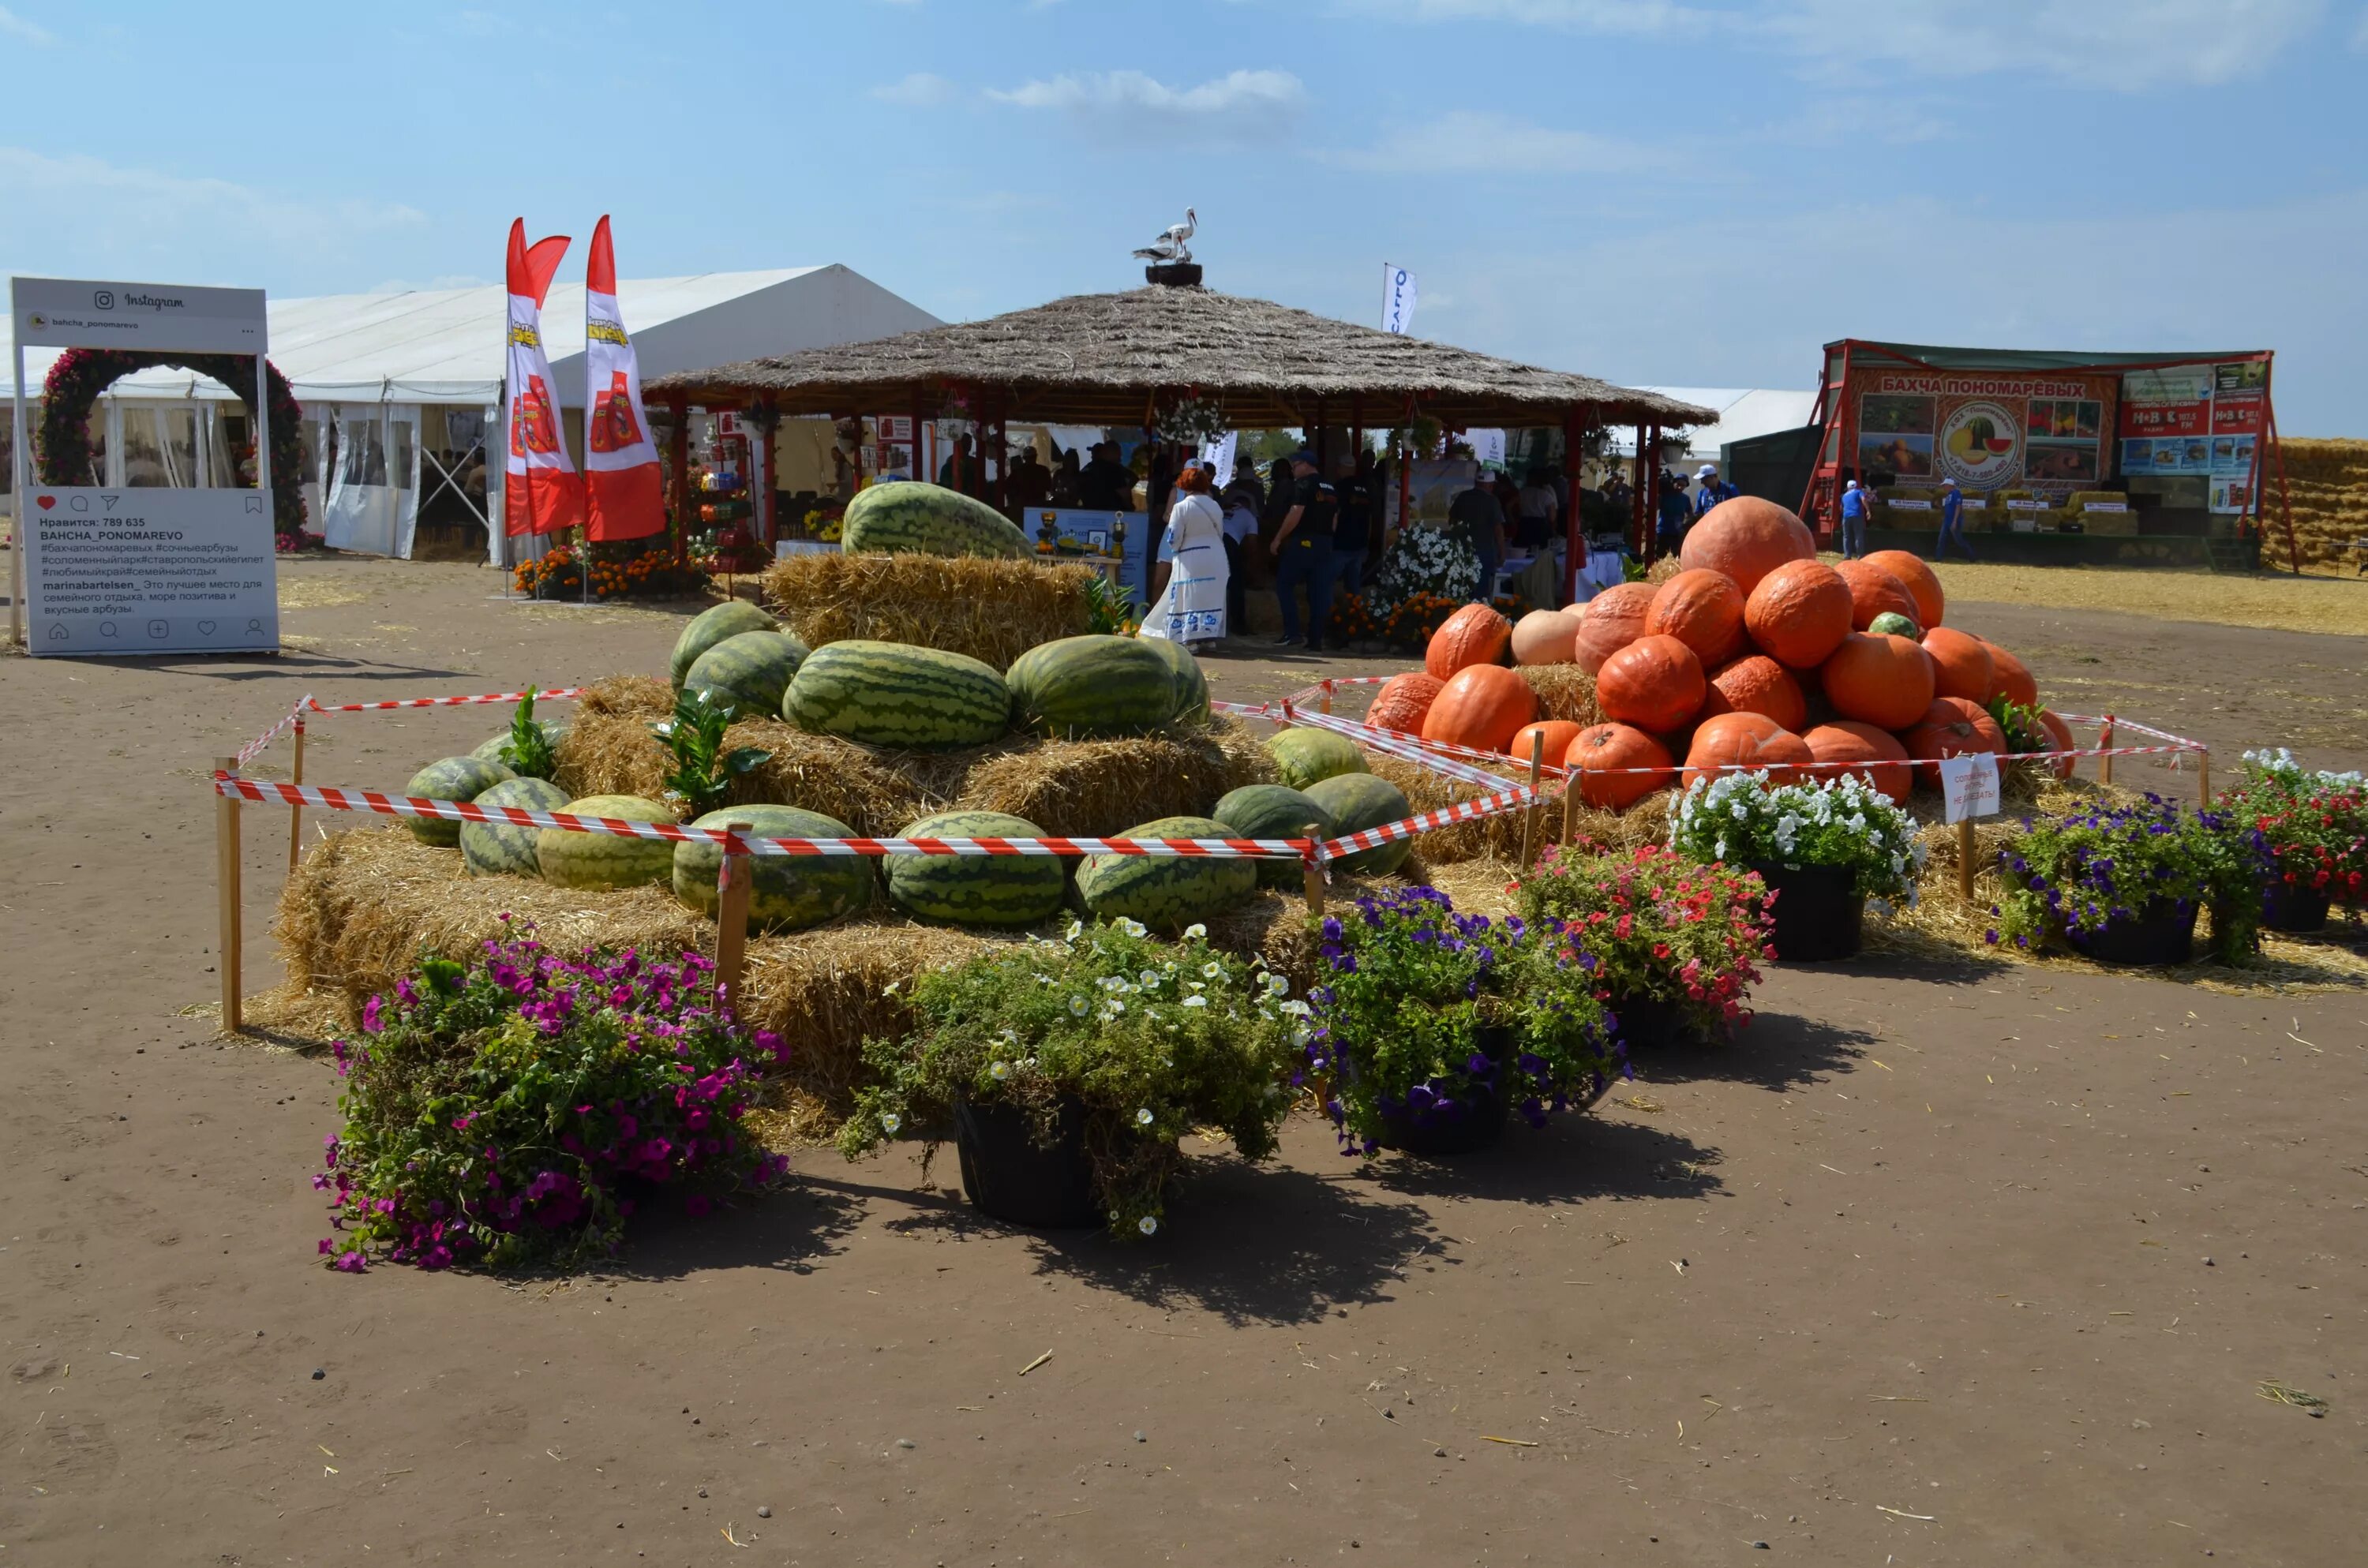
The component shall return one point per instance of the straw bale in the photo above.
(1100, 789)
(626, 697)
(992, 610)
(1500, 836)
(1662, 569)
(1564, 691)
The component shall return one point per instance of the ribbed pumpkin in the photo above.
(1615, 619)
(1545, 637)
(1481, 707)
(1799, 613)
(1655, 683)
(1875, 591)
(1403, 701)
(1952, 727)
(1960, 664)
(1921, 583)
(1602, 750)
(1756, 684)
(1747, 538)
(1752, 740)
(1551, 736)
(1883, 681)
(2010, 678)
(1701, 609)
(2060, 734)
(1473, 635)
(1848, 741)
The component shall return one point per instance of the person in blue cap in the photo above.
(1853, 520)
(1302, 552)
(1953, 521)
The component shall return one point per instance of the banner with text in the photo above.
(2197, 420)
(1988, 430)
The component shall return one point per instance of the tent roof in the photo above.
(2036, 359)
(447, 345)
(1099, 358)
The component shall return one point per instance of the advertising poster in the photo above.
(1432, 486)
(2200, 420)
(1986, 431)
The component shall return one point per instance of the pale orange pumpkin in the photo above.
(1923, 583)
(1883, 681)
(1751, 741)
(1849, 741)
(1655, 683)
(1601, 751)
(1756, 684)
(1615, 619)
(1473, 635)
(1960, 664)
(1403, 701)
(1875, 591)
(1702, 609)
(1799, 613)
(2059, 734)
(1747, 538)
(1951, 727)
(1545, 637)
(1480, 707)
(2010, 678)
(1551, 737)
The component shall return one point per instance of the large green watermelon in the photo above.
(454, 779)
(1303, 755)
(889, 694)
(1359, 801)
(908, 515)
(787, 892)
(601, 860)
(1166, 892)
(976, 890)
(1272, 810)
(1192, 686)
(1094, 684)
(490, 750)
(709, 627)
(749, 671)
(490, 851)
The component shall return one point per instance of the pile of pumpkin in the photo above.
(1754, 654)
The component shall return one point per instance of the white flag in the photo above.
(1218, 457)
(1397, 299)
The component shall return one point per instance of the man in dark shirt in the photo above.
(1478, 518)
(1031, 481)
(962, 469)
(1302, 552)
(1107, 484)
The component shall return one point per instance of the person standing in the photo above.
(1188, 584)
(1953, 521)
(1854, 520)
(1302, 552)
(1478, 518)
(1241, 527)
(1107, 484)
(1674, 514)
(962, 469)
(1709, 492)
(1352, 531)
(1031, 481)
(1535, 504)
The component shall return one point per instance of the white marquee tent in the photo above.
(1743, 413)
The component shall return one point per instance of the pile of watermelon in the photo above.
(1755, 654)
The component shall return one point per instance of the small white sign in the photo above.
(132, 571)
(2028, 506)
(1970, 782)
(1976, 503)
(2106, 506)
(73, 312)
(1217, 456)
(1900, 504)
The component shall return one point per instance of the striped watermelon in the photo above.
(787, 892)
(1302, 756)
(1167, 893)
(709, 627)
(509, 851)
(906, 514)
(454, 779)
(1094, 684)
(1270, 811)
(978, 889)
(1359, 801)
(605, 861)
(749, 671)
(1192, 686)
(888, 694)
(553, 730)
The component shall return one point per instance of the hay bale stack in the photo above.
(626, 697)
(1564, 691)
(2329, 485)
(1100, 789)
(1500, 836)
(992, 610)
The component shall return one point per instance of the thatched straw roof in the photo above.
(1105, 359)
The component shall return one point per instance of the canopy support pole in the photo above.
(1574, 540)
(678, 465)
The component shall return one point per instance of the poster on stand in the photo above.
(1986, 430)
(1076, 532)
(1434, 487)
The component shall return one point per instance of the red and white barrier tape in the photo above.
(560, 693)
(255, 747)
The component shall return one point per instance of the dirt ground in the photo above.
(1931, 1267)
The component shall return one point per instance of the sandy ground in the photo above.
(1938, 1265)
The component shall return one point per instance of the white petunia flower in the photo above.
(1195, 931)
(1212, 969)
(999, 1070)
(1078, 1006)
(1144, 1117)
(1196, 1001)
(1132, 928)
(1149, 979)
(890, 1122)
(1147, 1225)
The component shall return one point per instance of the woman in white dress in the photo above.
(1190, 605)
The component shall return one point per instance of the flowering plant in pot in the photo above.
(2124, 884)
(1823, 848)
(2306, 833)
(511, 1111)
(1676, 942)
(1071, 1067)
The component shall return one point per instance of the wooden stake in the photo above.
(1314, 883)
(1569, 803)
(1530, 816)
(2105, 743)
(2204, 776)
(1965, 860)
(296, 813)
(732, 917)
(226, 882)
(1324, 705)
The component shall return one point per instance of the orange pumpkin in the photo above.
(1403, 700)
(1655, 683)
(1615, 619)
(1848, 741)
(2010, 678)
(1751, 741)
(1551, 736)
(1599, 753)
(1701, 609)
(1960, 664)
(1952, 727)
(1799, 613)
(1875, 591)
(1756, 684)
(1473, 635)
(1481, 707)
(2060, 736)
(1545, 637)
(1920, 579)
(1747, 538)
(1883, 681)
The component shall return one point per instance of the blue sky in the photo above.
(1676, 191)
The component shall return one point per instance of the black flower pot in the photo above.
(1817, 911)
(1477, 1120)
(2288, 908)
(1009, 1175)
(2160, 932)
(1648, 1023)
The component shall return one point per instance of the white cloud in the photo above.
(1241, 105)
(1472, 142)
(918, 90)
(17, 26)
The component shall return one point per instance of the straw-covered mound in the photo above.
(992, 610)
(1500, 836)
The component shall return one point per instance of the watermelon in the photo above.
(749, 671)
(553, 730)
(1303, 755)
(601, 860)
(1270, 811)
(1166, 892)
(454, 779)
(978, 889)
(1359, 801)
(787, 892)
(1891, 622)
(509, 851)
(709, 627)
(1192, 686)
(1093, 685)
(907, 516)
(888, 694)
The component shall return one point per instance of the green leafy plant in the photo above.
(528, 752)
(1155, 1040)
(2305, 829)
(1743, 819)
(1109, 612)
(1634, 569)
(2072, 876)
(1660, 926)
(704, 768)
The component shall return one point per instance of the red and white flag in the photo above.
(542, 491)
(621, 477)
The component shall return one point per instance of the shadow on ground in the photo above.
(1776, 1051)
